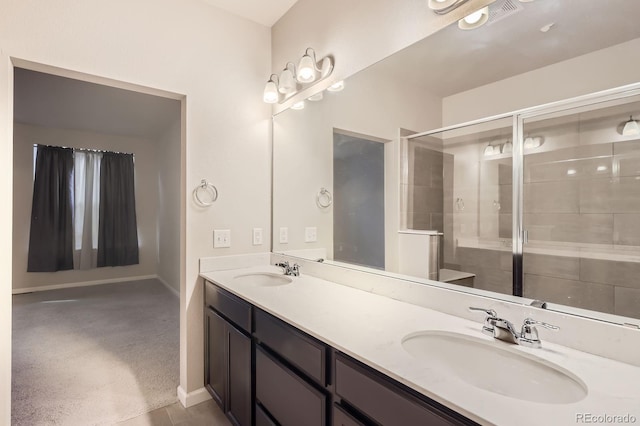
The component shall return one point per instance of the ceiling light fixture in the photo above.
(631, 128)
(292, 79)
(474, 20)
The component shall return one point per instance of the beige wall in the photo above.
(168, 226)
(146, 173)
(603, 69)
(218, 61)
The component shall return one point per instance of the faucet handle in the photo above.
(529, 333)
(489, 321)
(295, 270)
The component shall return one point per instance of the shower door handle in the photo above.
(525, 236)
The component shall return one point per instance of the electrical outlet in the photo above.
(221, 238)
(284, 235)
(257, 236)
(310, 234)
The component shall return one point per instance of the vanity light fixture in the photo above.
(631, 128)
(308, 71)
(317, 97)
(507, 148)
(491, 150)
(442, 7)
(474, 20)
(298, 105)
(533, 142)
(271, 95)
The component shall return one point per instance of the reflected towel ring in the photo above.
(205, 187)
(324, 198)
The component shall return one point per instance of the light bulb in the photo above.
(306, 69)
(270, 95)
(474, 17)
(631, 128)
(287, 82)
(336, 87)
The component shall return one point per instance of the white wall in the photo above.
(603, 69)
(168, 185)
(146, 172)
(218, 61)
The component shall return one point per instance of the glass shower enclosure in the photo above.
(542, 203)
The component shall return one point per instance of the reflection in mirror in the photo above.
(441, 206)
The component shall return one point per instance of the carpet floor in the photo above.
(94, 355)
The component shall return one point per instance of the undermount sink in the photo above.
(263, 279)
(495, 367)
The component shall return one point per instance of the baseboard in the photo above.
(82, 284)
(192, 398)
(166, 284)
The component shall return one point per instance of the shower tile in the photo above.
(552, 266)
(610, 195)
(437, 221)
(575, 228)
(627, 302)
(420, 220)
(580, 294)
(624, 274)
(626, 229)
(554, 165)
(490, 279)
(552, 197)
(505, 174)
(427, 200)
(478, 257)
(628, 165)
(505, 226)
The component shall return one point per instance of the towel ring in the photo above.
(205, 187)
(324, 199)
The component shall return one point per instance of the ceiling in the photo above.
(453, 60)
(47, 100)
(265, 12)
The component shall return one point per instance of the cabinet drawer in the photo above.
(342, 418)
(287, 397)
(384, 402)
(304, 352)
(235, 309)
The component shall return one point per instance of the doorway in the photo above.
(52, 109)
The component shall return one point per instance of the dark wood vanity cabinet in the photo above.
(263, 371)
(228, 357)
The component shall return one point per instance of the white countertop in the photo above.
(370, 328)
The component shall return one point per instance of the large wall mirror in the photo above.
(360, 179)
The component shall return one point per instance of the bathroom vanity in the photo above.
(304, 350)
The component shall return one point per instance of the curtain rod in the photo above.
(83, 149)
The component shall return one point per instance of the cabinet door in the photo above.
(216, 356)
(239, 390)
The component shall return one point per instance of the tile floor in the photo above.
(205, 414)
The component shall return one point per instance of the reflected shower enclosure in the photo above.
(573, 232)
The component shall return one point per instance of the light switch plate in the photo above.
(221, 238)
(257, 236)
(284, 235)
(310, 234)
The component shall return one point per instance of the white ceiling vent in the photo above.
(503, 9)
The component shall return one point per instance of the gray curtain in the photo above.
(118, 229)
(86, 171)
(51, 235)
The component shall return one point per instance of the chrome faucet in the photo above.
(502, 329)
(293, 270)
